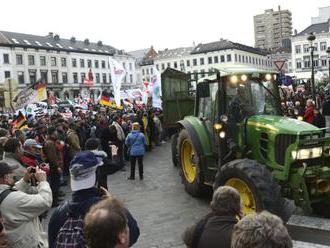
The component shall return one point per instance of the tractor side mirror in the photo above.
(203, 90)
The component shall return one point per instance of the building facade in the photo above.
(271, 27)
(324, 15)
(301, 54)
(203, 58)
(63, 64)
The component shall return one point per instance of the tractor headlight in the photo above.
(307, 153)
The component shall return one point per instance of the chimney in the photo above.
(295, 32)
(99, 43)
(50, 34)
(56, 37)
(73, 39)
(279, 8)
(86, 41)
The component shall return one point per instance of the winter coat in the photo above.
(14, 161)
(309, 114)
(120, 132)
(81, 201)
(136, 143)
(72, 140)
(20, 212)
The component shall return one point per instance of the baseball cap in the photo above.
(6, 169)
(32, 142)
(83, 170)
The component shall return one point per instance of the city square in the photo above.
(213, 131)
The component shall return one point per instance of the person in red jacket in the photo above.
(309, 111)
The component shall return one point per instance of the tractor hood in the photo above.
(280, 124)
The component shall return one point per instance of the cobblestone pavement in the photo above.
(159, 203)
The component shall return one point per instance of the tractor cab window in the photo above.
(207, 105)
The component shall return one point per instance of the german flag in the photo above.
(20, 121)
(107, 99)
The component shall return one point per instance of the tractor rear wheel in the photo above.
(189, 163)
(257, 187)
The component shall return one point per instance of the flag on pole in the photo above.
(156, 89)
(20, 121)
(107, 99)
(117, 75)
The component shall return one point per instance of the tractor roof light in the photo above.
(268, 77)
(217, 126)
(275, 76)
(234, 79)
(244, 77)
(300, 118)
(222, 134)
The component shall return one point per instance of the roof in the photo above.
(139, 54)
(174, 53)
(225, 45)
(317, 28)
(50, 42)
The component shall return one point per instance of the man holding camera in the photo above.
(20, 210)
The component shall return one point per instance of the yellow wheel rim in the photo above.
(188, 161)
(248, 201)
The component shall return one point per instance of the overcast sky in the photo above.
(138, 24)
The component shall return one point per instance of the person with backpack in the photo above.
(136, 143)
(66, 228)
(215, 229)
(21, 210)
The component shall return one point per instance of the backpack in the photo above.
(199, 228)
(71, 234)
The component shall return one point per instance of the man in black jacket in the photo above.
(326, 111)
(215, 229)
(85, 194)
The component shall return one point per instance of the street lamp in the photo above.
(311, 39)
(328, 52)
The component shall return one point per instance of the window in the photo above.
(143, 71)
(243, 59)
(63, 62)
(130, 66)
(194, 62)
(82, 76)
(75, 77)
(104, 78)
(175, 64)
(20, 77)
(7, 74)
(298, 49)
(188, 62)
(298, 65)
(216, 59)
(316, 62)
(163, 67)
(147, 71)
(96, 62)
(151, 71)
(306, 63)
(306, 49)
(53, 61)
(54, 77)
(6, 58)
(74, 62)
(32, 76)
(222, 58)
(42, 60)
(229, 58)
(239, 58)
(315, 46)
(44, 76)
(202, 73)
(103, 64)
(110, 78)
(157, 67)
(82, 63)
(209, 60)
(323, 61)
(89, 63)
(31, 59)
(124, 65)
(235, 57)
(131, 78)
(19, 59)
(168, 64)
(323, 46)
(64, 77)
(97, 76)
(201, 61)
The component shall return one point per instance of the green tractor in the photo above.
(228, 130)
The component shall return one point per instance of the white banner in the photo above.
(156, 89)
(117, 75)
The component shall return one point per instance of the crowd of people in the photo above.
(83, 149)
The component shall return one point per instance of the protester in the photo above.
(326, 111)
(215, 229)
(20, 210)
(260, 230)
(119, 142)
(309, 112)
(85, 194)
(73, 140)
(13, 153)
(106, 225)
(3, 236)
(31, 153)
(136, 143)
